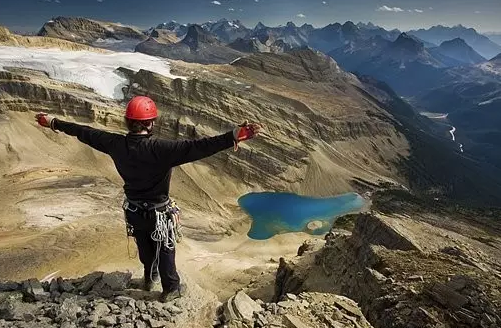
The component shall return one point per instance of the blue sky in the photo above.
(484, 15)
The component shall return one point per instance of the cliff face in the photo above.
(9, 39)
(85, 30)
(416, 265)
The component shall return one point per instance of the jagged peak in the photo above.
(455, 42)
(290, 24)
(259, 26)
(197, 34)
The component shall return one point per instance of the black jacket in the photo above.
(144, 162)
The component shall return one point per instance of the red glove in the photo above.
(245, 131)
(45, 120)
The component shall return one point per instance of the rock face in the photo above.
(89, 31)
(197, 46)
(459, 50)
(302, 311)
(102, 299)
(403, 271)
(9, 39)
(301, 64)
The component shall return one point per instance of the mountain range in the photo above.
(442, 69)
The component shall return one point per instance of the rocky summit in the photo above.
(407, 264)
(100, 300)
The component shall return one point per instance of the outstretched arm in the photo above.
(100, 140)
(180, 152)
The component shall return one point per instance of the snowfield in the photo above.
(93, 70)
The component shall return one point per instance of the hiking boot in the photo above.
(166, 297)
(150, 284)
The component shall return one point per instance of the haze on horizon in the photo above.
(483, 15)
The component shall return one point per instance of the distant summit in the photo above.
(459, 50)
(438, 34)
(408, 43)
(197, 36)
(111, 36)
(198, 45)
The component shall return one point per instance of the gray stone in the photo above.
(286, 304)
(54, 286)
(293, 322)
(9, 286)
(114, 307)
(13, 309)
(101, 309)
(89, 281)
(92, 318)
(33, 290)
(115, 281)
(173, 309)
(141, 305)
(127, 325)
(261, 320)
(245, 307)
(123, 301)
(156, 323)
(291, 297)
(140, 324)
(447, 296)
(68, 310)
(68, 324)
(65, 286)
(128, 310)
(107, 321)
(273, 308)
(145, 317)
(121, 319)
(346, 305)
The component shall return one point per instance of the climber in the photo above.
(145, 164)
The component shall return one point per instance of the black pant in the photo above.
(143, 226)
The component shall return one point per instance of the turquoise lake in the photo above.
(275, 213)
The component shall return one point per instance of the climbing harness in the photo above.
(167, 231)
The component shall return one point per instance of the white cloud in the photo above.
(478, 12)
(231, 9)
(431, 8)
(324, 2)
(100, 0)
(301, 15)
(216, 3)
(57, 1)
(256, 0)
(418, 10)
(240, 9)
(392, 9)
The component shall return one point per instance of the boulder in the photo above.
(89, 281)
(33, 290)
(245, 306)
(115, 281)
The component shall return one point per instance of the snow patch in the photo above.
(488, 102)
(237, 82)
(235, 60)
(233, 25)
(491, 68)
(93, 70)
(452, 133)
(108, 41)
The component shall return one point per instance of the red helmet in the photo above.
(141, 108)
